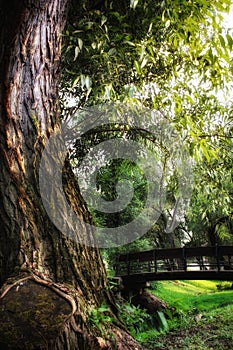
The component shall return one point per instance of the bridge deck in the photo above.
(142, 278)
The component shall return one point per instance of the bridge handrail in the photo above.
(172, 253)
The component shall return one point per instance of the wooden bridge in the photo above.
(199, 263)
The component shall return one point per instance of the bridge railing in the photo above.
(176, 259)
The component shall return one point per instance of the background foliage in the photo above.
(174, 57)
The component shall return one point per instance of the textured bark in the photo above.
(34, 254)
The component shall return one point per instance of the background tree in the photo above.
(211, 208)
(174, 59)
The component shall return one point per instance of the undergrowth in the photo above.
(202, 316)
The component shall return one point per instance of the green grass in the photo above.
(189, 295)
(204, 317)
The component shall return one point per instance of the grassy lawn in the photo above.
(193, 295)
(204, 316)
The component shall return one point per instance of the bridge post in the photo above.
(149, 266)
(217, 256)
(229, 261)
(128, 265)
(155, 260)
(184, 259)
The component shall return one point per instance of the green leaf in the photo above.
(76, 52)
(230, 41)
(222, 41)
(103, 308)
(144, 62)
(163, 325)
(103, 20)
(130, 43)
(75, 82)
(137, 67)
(83, 80)
(80, 43)
(167, 23)
(133, 3)
(150, 27)
(112, 51)
(88, 82)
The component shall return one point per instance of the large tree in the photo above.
(52, 287)
(49, 282)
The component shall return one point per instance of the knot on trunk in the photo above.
(31, 316)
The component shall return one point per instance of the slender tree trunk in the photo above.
(49, 282)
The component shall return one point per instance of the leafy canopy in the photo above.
(172, 56)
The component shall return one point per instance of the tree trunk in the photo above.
(49, 281)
